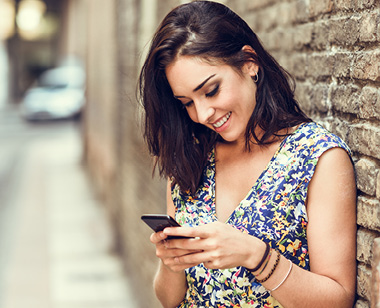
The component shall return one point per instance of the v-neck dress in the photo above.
(273, 211)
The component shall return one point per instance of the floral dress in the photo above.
(273, 211)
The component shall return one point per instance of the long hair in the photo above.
(214, 33)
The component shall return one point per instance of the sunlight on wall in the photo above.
(29, 17)
(7, 16)
(33, 22)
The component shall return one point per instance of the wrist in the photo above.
(258, 257)
(267, 272)
(168, 270)
(276, 273)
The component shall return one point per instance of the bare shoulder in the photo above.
(334, 176)
(333, 184)
(337, 158)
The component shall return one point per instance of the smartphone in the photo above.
(159, 222)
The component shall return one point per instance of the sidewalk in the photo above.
(59, 250)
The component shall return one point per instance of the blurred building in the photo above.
(31, 31)
(3, 75)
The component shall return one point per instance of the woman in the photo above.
(265, 196)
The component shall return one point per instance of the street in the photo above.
(56, 246)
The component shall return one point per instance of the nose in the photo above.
(204, 112)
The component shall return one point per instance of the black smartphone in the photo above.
(159, 222)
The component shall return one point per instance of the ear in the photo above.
(251, 67)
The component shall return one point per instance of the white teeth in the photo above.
(222, 121)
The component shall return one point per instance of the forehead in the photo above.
(187, 64)
(188, 72)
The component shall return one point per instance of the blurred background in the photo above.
(71, 156)
(75, 175)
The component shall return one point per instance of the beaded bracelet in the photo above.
(272, 270)
(286, 277)
(267, 249)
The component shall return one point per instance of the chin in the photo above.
(231, 139)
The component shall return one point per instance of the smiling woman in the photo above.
(214, 102)
(254, 183)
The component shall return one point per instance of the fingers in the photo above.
(191, 232)
(208, 244)
(192, 244)
(180, 261)
(157, 237)
(186, 243)
(170, 251)
(163, 252)
(174, 258)
(193, 259)
(216, 245)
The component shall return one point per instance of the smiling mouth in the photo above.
(222, 121)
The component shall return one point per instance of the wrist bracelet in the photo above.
(267, 249)
(266, 263)
(272, 270)
(286, 277)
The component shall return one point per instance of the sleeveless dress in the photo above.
(273, 211)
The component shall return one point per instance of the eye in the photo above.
(188, 104)
(213, 92)
(183, 104)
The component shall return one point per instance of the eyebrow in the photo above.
(200, 86)
(203, 83)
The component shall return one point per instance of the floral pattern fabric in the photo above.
(273, 210)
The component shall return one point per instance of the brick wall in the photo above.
(332, 49)
(330, 46)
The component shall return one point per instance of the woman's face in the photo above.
(216, 96)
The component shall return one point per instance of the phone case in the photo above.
(159, 222)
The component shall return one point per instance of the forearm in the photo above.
(170, 287)
(307, 289)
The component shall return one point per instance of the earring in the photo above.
(256, 77)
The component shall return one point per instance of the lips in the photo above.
(222, 120)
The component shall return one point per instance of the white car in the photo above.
(58, 94)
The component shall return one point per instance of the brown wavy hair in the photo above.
(213, 33)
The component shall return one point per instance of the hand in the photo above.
(170, 255)
(216, 245)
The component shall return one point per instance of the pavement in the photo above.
(56, 243)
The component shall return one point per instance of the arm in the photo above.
(331, 207)
(169, 284)
(331, 233)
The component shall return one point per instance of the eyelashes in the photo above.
(210, 94)
(213, 92)
(188, 104)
